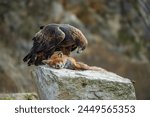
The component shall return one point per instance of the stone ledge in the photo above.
(18, 96)
(55, 84)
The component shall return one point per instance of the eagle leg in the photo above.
(66, 51)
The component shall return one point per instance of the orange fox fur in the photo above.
(58, 60)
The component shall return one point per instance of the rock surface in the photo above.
(18, 96)
(70, 84)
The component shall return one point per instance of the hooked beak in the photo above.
(79, 50)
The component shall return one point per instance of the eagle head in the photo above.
(81, 47)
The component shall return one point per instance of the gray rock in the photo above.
(70, 84)
(18, 96)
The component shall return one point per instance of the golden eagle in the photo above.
(55, 37)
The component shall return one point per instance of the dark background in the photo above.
(118, 32)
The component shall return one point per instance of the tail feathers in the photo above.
(27, 57)
(30, 58)
(33, 58)
(35, 61)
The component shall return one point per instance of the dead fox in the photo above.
(58, 60)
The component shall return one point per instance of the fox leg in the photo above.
(81, 66)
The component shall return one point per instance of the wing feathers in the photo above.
(54, 37)
(46, 40)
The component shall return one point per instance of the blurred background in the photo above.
(118, 32)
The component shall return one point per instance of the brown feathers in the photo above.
(55, 37)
